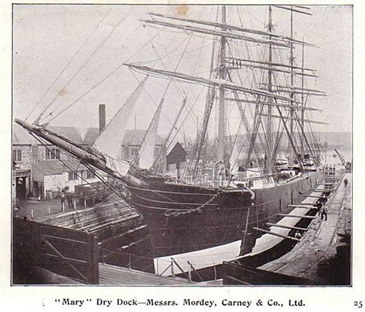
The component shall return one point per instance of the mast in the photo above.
(269, 112)
(302, 112)
(291, 60)
(221, 104)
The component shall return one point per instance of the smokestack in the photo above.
(102, 117)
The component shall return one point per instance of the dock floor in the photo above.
(113, 275)
(317, 247)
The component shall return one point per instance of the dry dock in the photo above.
(315, 257)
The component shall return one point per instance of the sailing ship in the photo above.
(203, 207)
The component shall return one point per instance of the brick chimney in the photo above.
(102, 117)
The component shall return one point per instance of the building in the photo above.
(176, 160)
(24, 154)
(51, 176)
(132, 141)
(39, 168)
(38, 171)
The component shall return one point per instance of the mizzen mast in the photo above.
(291, 62)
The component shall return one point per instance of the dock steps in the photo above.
(113, 221)
(87, 223)
(305, 262)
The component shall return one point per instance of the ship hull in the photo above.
(184, 218)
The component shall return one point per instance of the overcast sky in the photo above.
(47, 37)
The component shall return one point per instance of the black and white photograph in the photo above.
(182, 145)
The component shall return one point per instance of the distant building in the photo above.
(132, 142)
(23, 156)
(36, 164)
(51, 176)
(40, 169)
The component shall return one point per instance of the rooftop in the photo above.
(135, 137)
(55, 166)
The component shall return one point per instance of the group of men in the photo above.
(322, 208)
(66, 196)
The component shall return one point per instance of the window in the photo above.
(72, 176)
(17, 155)
(52, 153)
(90, 174)
(125, 152)
(156, 152)
(134, 151)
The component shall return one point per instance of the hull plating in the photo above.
(186, 218)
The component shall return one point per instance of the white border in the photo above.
(35, 298)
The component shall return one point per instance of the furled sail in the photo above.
(147, 148)
(109, 142)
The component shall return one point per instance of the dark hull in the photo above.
(184, 218)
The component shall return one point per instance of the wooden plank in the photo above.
(276, 234)
(306, 206)
(84, 278)
(104, 242)
(69, 240)
(296, 216)
(51, 230)
(287, 227)
(94, 260)
(66, 258)
(332, 176)
(236, 280)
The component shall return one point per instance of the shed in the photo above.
(176, 159)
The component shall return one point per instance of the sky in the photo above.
(47, 37)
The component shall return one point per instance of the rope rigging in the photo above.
(83, 65)
(64, 69)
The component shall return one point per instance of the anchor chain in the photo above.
(175, 213)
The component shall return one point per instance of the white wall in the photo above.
(57, 182)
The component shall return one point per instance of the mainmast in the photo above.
(221, 104)
(269, 109)
(302, 112)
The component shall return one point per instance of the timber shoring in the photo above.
(63, 251)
